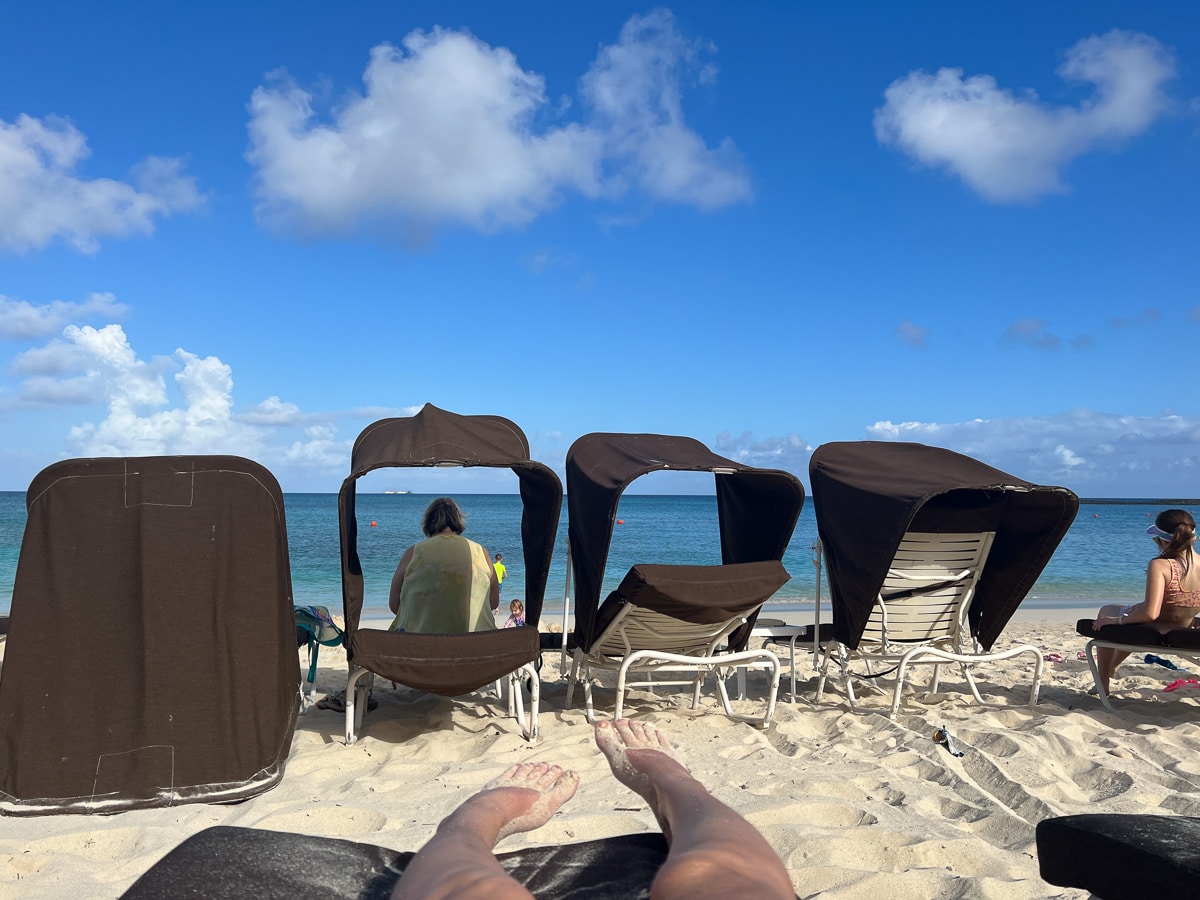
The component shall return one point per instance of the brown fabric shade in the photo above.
(150, 657)
(434, 437)
(867, 494)
(757, 509)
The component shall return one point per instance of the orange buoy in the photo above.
(620, 521)
(1094, 516)
(372, 523)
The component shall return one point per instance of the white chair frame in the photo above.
(921, 617)
(1157, 649)
(358, 688)
(640, 641)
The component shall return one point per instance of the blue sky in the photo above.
(764, 225)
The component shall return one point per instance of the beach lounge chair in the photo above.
(668, 617)
(1121, 857)
(449, 664)
(315, 629)
(162, 584)
(679, 619)
(928, 555)
(1183, 643)
(228, 863)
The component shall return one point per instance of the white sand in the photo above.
(856, 804)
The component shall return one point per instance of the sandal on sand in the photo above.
(1052, 657)
(1181, 683)
(1158, 660)
(1081, 655)
(337, 702)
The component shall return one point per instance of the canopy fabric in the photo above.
(757, 508)
(435, 437)
(163, 585)
(867, 494)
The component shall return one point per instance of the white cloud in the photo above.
(273, 411)
(177, 404)
(21, 320)
(789, 453)
(912, 334)
(451, 131)
(137, 424)
(320, 449)
(1032, 332)
(1011, 147)
(42, 198)
(1095, 454)
(635, 93)
(1149, 316)
(1068, 457)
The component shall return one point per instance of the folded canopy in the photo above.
(867, 494)
(435, 437)
(151, 657)
(757, 509)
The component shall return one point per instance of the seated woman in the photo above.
(1172, 588)
(445, 584)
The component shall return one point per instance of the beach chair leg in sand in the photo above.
(847, 678)
(1160, 649)
(516, 699)
(921, 617)
(646, 662)
(358, 689)
(360, 680)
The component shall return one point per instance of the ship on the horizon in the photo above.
(397, 492)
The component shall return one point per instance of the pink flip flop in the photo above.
(1181, 683)
(1052, 657)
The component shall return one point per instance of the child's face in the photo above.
(516, 608)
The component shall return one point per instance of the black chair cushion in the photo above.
(1122, 857)
(1137, 635)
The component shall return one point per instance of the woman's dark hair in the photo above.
(1182, 527)
(441, 514)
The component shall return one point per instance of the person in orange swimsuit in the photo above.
(1172, 588)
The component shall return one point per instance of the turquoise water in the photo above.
(1102, 558)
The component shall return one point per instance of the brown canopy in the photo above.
(867, 494)
(757, 508)
(151, 658)
(434, 437)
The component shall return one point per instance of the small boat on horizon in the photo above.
(397, 492)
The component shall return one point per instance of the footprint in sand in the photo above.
(1103, 784)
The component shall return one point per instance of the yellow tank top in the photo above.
(446, 588)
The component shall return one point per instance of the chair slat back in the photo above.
(637, 628)
(928, 589)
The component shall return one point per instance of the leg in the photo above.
(458, 860)
(1108, 658)
(714, 851)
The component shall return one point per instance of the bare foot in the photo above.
(458, 860)
(641, 758)
(527, 795)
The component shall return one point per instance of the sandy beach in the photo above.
(856, 804)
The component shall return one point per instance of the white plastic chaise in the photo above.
(921, 617)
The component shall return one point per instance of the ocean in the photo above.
(1102, 558)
